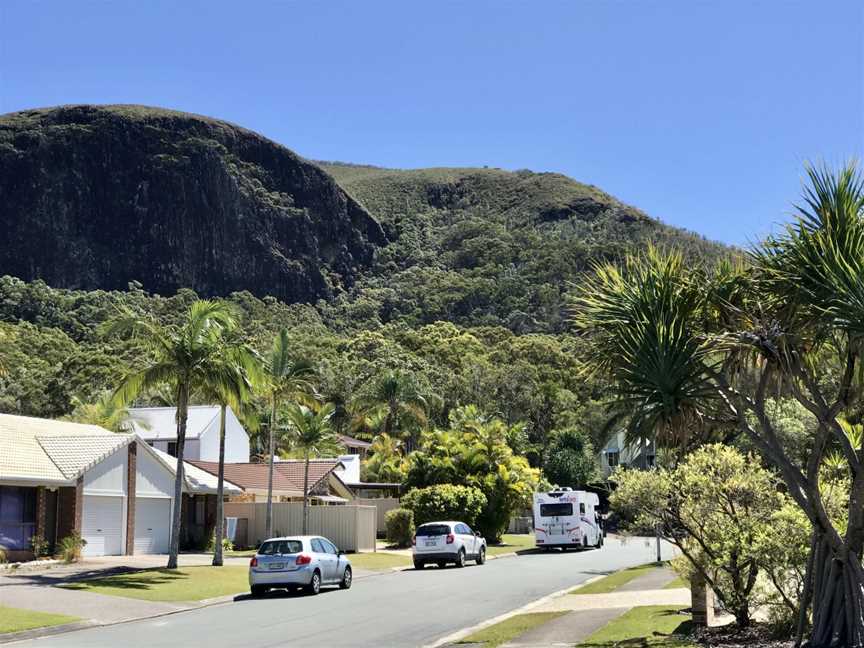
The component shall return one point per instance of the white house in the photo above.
(59, 478)
(158, 427)
(619, 453)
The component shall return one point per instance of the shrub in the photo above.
(400, 527)
(445, 502)
(4, 557)
(71, 547)
(39, 545)
(227, 545)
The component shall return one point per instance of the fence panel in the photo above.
(382, 505)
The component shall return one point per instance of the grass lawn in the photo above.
(501, 633)
(17, 620)
(678, 583)
(242, 553)
(186, 584)
(512, 542)
(644, 627)
(378, 560)
(613, 581)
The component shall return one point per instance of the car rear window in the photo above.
(554, 510)
(433, 530)
(275, 547)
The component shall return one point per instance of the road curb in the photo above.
(465, 632)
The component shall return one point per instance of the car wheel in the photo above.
(258, 590)
(314, 585)
(481, 557)
(419, 564)
(460, 558)
(347, 577)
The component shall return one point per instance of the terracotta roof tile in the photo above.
(252, 476)
(292, 469)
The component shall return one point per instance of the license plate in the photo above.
(276, 566)
(431, 543)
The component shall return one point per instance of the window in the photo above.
(558, 509)
(433, 530)
(612, 458)
(17, 516)
(463, 529)
(582, 508)
(651, 460)
(329, 547)
(317, 547)
(172, 448)
(277, 547)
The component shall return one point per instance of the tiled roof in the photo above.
(293, 470)
(351, 442)
(198, 480)
(152, 423)
(75, 454)
(252, 476)
(24, 457)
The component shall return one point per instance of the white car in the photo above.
(447, 542)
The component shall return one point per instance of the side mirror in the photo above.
(476, 534)
(339, 552)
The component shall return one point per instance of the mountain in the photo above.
(492, 247)
(99, 196)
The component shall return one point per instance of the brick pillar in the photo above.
(701, 601)
(79, 505)
(131, 472)
(41, 510)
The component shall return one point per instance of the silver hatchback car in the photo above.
(296, 562)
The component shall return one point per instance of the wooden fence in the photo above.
(382, 504)
(350, 527)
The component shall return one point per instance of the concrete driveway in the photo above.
(408, 608)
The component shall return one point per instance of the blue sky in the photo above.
(700, 113)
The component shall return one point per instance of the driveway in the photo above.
(408, 608)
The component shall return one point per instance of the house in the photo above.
(158, 427)
(618, 452)
(58, 477)
(355, 446)
(349, 475)
(324, 485)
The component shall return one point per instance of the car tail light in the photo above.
(450, 538)
(414, 540)
(304, 559)
(254, 561)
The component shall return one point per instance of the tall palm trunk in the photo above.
(306, 495)
(177, 513)
(268, 525)
(220, 488)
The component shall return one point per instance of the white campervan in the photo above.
(566, 518)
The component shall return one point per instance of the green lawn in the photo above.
(613, 581)
(644, 627)
(379, 560)
(186, 584)
(17, 620)
(511, 542)
(501, 633)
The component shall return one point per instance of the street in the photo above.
(407, 608)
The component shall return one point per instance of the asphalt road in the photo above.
(398, 609)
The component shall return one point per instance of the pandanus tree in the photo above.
(288, 379)
(236, 373)
(689, 351)
(183, 355)
(312, 433)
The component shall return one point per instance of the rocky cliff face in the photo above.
(96, 197)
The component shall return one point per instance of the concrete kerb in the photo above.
(465, 632)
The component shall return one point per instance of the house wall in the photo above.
(108, 477)
(153, 479)
(236, 440)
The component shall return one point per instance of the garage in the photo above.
(152, 525)
(102, 525)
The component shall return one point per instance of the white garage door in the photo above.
(102, 525)
(152, 525)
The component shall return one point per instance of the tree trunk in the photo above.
(220, 505)
(177, 513)
(306, 495)
(838, 597)
(268, 525)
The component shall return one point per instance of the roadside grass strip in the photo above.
(678, 583)
(612, 582)
(644, 627)
(18, 620)
(508, 629)
(379, 560)
(511, 542)
(169, 585)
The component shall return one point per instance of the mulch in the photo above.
(731, 637)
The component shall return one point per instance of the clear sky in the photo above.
(700, 113)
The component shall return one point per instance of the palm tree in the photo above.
(313, 433)
(105, 412)
(397, 397)
(237, 371)
(288, 379)
(183, 355)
